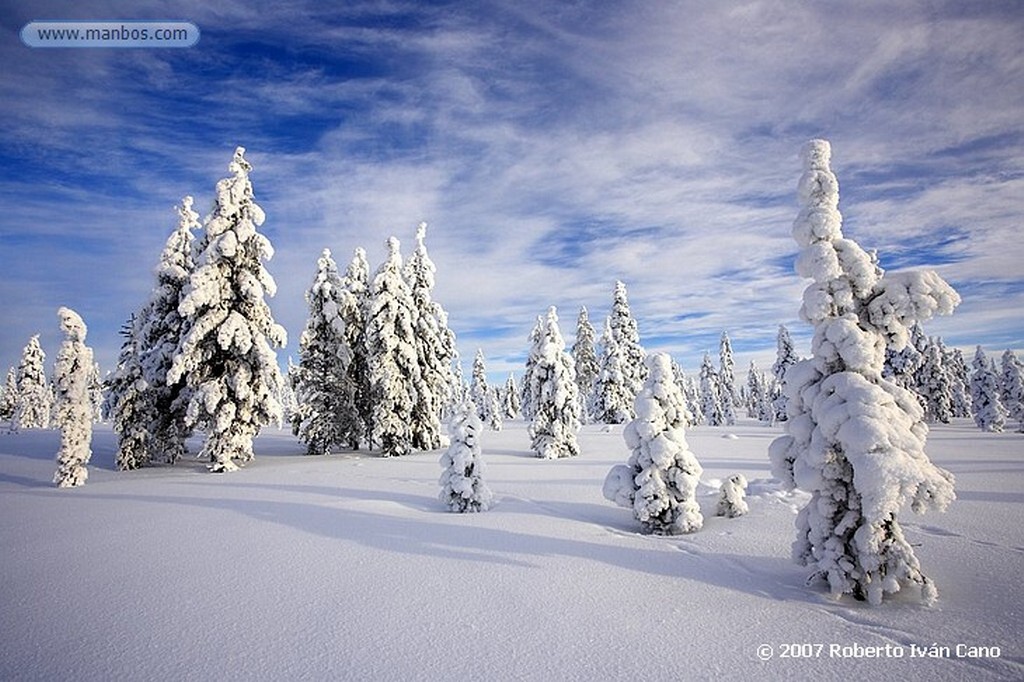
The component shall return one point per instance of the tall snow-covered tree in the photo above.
(659, 481)
(325, 393)
(35, 396)
(956, 365)
(526, 404)
(1013, 388)
(226, 356)
(933, 384)
(435, 349)
(711, 395)
(785, 357)
(510, 398)
(394, 362)
(488, 406)
(584, 354)
(462, 483)
(627, 339)
(9, 396)
(612, 393)
(552, 390)
(986, 398)
(855, 440)
(128, 403)
(354, 314)
(72, 375)
(727, 373)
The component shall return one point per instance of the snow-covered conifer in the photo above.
(485, 397)
(627, 339)
(510, 398)
(35, 396)
(986, 394)
(225, 357)
(354, 313)
(711, 397)
(727, 374)
(394, 362)
(584, 354)
(612, 396)
(855, 440)
(325, 416)
(129, 404)
(901, 366)
(462, 483)
(659, 481)
(785, 358)
(553, 399)
(73, 407)
(9, 396)
(526, 393)
(959, 377)
(1013, 388)
(732, 497)
(435, 349)
(933, 384)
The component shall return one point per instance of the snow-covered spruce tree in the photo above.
(959, 377)
(785, 357)
(462, 483)
(1013, 388)
(354, 313)
(73, 407)
(934, 386)
(732, 497)
(510, 398)
(691, 394)
(325, 416)
(160, 334)
(901, 366)
(552, 390)
(711, 397)
(435, 349)
(727, 372)
(129, 403)
(855, 440)
(35, 396)
(225, 357)
(627, 338)
(483, 396)
(612, 396)
(394, 362)
(989, 411)
(584, 354)
(9, 396)
(659, 481)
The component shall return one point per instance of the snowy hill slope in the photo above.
(348, 567)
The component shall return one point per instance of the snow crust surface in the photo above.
(349, 567)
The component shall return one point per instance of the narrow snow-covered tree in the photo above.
(129, 402)
(9, 396)
(732, 497)
(510, 398)
(462, 483)
(627, 339)
(394, 362)
(552, 390)
(584, 354)
(659, 481)
(986, 398)
(611, 400)
(325, 416)
(855, 440)
(435, 349)
(690, 389)
(785, 357)
(485, 397)
(933, 384)
(354, 313)
(960, 379)
(901, 366)
(73, 407)
(35, 396)
(711, 396)
(226, 356)
(727, 374)
(1013, 388)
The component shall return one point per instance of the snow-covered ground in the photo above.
(349, 567)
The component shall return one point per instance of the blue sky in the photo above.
(553, 147)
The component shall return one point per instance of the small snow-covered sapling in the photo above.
(732, 502)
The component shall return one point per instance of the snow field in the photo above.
(349, 567)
